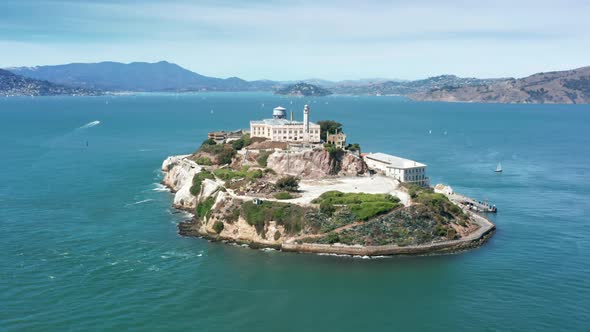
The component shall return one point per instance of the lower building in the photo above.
(401, 169)
(338, 139)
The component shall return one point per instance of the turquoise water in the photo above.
(89, 240)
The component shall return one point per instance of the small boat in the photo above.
(499, 168)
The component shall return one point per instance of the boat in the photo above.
(499, 168)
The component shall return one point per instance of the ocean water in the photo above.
(89, 239)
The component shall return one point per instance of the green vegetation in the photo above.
(288, 183)
(203, 209)
(363, 206)
(354, 147)
(439, 203)
(322, 221)
(263, 158)
(228, 174)
(198, 180)
(283, 195)
(204, 161)
(242, 142)
(289, 215)
(328, 125)
(414, 225)
(218, 227)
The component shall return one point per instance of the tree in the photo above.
(328, 125)
(353, 147)
(288, 183)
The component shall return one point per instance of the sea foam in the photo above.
(90, 124)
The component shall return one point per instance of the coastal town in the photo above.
(300, 186)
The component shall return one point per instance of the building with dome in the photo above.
(281, 129)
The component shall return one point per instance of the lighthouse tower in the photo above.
(306, 123)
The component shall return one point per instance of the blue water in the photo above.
(89, 242)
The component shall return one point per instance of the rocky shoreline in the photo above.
(180, 170)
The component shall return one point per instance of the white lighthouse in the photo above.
(306, 123)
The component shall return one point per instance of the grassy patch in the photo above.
(363, 206)
(228, 174)
(283, 195)
(204, 161)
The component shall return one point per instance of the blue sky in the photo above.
(304, 39)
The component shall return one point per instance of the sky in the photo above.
(292, 40)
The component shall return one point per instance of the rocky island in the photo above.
(279, 186)
(304, 90)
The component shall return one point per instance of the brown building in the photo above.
(338, 139)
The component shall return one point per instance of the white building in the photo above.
(403, 170)
(281, 129)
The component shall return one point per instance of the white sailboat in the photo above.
(499, 168)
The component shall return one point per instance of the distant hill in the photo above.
(400, 87)
(16, 85)
(303, 89)
(137, 76)
(559, 87)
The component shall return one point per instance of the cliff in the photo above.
(316, 164)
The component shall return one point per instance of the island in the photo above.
(303, 89)
(299, 186)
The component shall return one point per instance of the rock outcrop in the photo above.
(315, 164)
(179, 172)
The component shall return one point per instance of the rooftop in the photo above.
(279, 122)
(394, 161)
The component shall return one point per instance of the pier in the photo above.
(472, 204)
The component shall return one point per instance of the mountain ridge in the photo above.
(16, 85)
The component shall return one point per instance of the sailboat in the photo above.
(499, 168)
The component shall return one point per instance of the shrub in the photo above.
(262, 159)
(288, 183)
(218, 227)
(327, 208)
(209, 141)
(332, 238)
(241, 142)
(277, 235)
(204, 161)
(226, 156)
(203, 209)
(198, 180)
(289, 215)
(353, 147)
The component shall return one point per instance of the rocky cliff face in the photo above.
(316, 164)
(179, 172)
